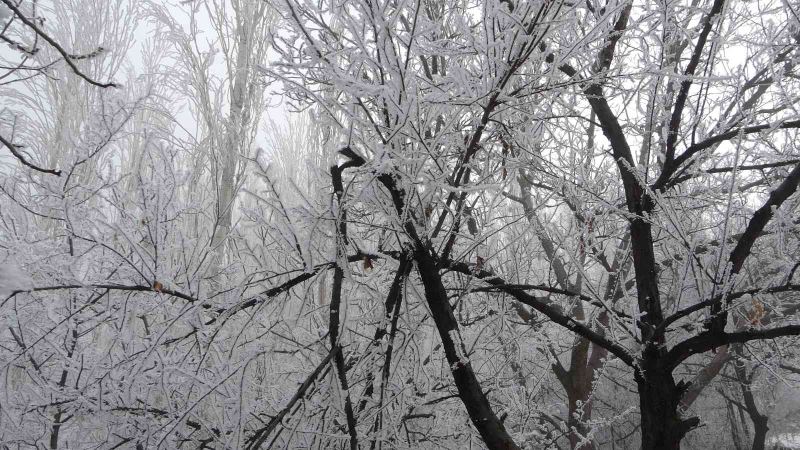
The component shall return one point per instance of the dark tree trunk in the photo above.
(760, 435)
(487, 423)
(490, 427)
(760, 421)
(659, 397)
(577, 427)
(579, 388)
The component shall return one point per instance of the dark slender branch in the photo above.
(480, 411)
(553, 312)
(664, 180)
(66, 55)
(336, 293)
(730, 134)
(745, 167)
(731, 400)
(393, 302)
(793, 369)
(760, 421)
(552, 290)
(730, 297)
(686, 84)
(572, 325)
(638, 200)
(246, 304)
(754, 229)
(141, 411)
(477, 404)
(13, 148)
(113, 287)
(754, 166)
(18, 46)
(289, 284)
(57, 417)
(260, 436)
(606, 54)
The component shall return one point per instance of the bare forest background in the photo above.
(399, 224)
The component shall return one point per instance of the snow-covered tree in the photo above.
(498, 224)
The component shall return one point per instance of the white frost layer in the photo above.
(460, 353)
(784, 441)
(12, 278)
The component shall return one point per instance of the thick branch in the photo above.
(710, 340)
(472, 396)
(704, 377)
(638, 200)
(686, 84)
(480, 411)
(261, 435)
(553, 312)
(730, 297)
(761, 217)
(754, 229)
(552, 290)
(336, 300)
(664, 180)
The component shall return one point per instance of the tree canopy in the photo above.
(499, 224)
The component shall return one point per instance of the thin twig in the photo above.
(67, 56)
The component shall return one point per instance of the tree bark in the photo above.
(480, 411)
(760, 421)
(705, 376)
(659, 396)
(580, 407)
(760, 436)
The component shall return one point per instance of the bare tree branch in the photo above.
(66, 55)
(13, 149)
